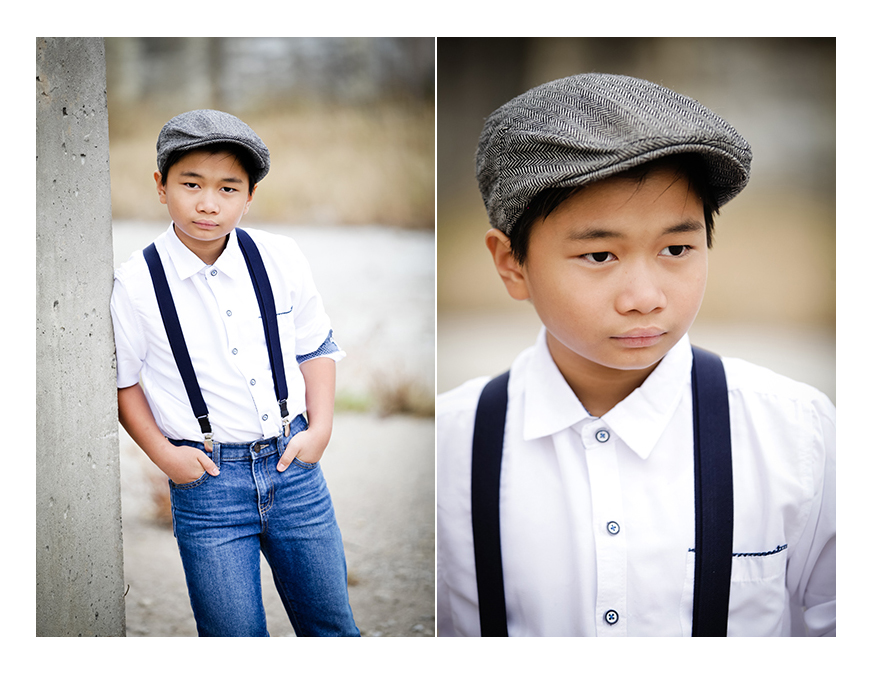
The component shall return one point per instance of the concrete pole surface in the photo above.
(79, 562)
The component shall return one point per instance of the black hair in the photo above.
(544, 203)
(240, 154)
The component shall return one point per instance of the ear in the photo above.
(249, 200)
(162, 190)
(511, 272)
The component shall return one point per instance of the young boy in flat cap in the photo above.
(226, 376)
(622, 483)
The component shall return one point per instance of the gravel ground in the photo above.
(381, 475)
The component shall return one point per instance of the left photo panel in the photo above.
(273, 317)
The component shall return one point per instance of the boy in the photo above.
(601, 192)
(244, 473)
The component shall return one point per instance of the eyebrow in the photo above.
(596, 233)
(194, 174)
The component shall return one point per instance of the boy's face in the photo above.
(206, 195)
(617, 272)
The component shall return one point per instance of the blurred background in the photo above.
(350, 127)
(772, 281)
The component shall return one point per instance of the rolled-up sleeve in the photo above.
(313, 333)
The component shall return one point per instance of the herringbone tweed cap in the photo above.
(199, 128)
(583, 128)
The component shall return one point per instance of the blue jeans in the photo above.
(223, 523)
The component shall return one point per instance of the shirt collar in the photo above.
(187, 263)
(641, 418)
(550, 405)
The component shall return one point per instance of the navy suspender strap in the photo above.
(267, 305)
(713, 483)
(485, 504)
(177, 341)
(713, 496)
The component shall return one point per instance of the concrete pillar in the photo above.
(79, 571)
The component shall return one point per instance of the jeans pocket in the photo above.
(190, 484)
(303, 465)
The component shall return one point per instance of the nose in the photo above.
(640, 291)
(207, 203)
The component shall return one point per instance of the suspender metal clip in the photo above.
(286, 421)
(206, 429)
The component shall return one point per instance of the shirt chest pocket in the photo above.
(758, 598)
(250, 331)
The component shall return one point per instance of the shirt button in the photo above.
(265, 417)
(229, 312)
(213, 273)
(610, 617)
(253, 382)
(602, 436)
(613, 528)
(234, 351)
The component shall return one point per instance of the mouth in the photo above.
(640, 338)
(205, 224)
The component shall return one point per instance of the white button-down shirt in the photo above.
(221, 322)
(597, 514)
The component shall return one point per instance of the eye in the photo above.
(229, 190)
(676, 250)
(598, 257)
(190, 185)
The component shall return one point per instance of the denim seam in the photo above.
(271, 491)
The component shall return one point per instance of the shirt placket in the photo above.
(611, 618)
(258, 382)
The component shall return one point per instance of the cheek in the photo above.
(691, 289)
(567, 302)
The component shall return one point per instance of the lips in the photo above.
(641, 337)
(642, 332)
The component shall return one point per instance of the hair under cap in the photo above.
(200, 128)
(576, 130)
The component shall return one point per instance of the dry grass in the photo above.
(389, 394)
(334, 165)
(402, 394)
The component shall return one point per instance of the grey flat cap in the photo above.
(199, 128)
(584, 128)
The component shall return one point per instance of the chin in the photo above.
(638, 364)
(642, 358)
(632, 358)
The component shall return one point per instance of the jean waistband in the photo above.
(249, 450)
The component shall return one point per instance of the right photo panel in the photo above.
(636, 312)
